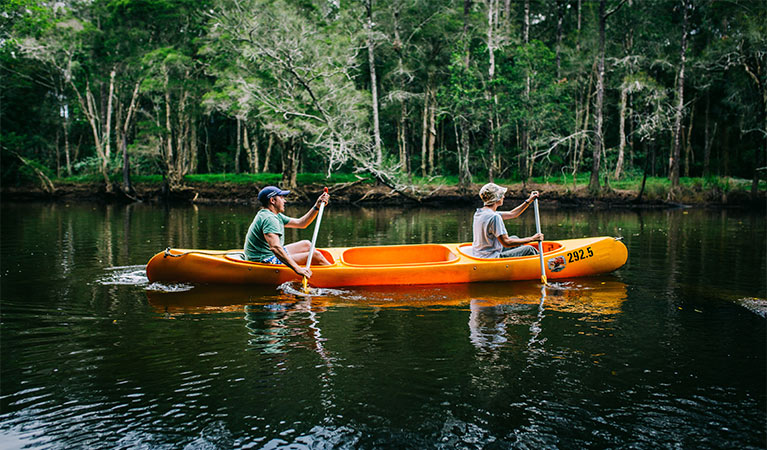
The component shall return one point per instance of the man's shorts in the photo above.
(274, 259)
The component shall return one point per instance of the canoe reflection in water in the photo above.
(273, 314)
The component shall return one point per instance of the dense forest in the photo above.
(398, 90)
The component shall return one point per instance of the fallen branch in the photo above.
(46, 182)
(340, 186)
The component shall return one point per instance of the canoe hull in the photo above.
(415, 265)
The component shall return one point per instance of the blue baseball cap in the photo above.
(268, 192)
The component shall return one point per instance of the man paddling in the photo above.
(265, 241)
(491, 240)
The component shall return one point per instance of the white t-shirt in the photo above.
(488, 225)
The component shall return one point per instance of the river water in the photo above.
(668, 351)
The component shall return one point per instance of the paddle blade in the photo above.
(306, 285)
(543, 279)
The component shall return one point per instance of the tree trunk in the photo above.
(675, 156)
(169, 158)
(402, 120)
(373, 85)
(489, 94)
(269, 146)
(89, 108)
(598, 111)
(560, 20)
(402, 138)
(524, 170)
(127, 184)
(123, 139)
(578, 32)
(251, 150)
(67, 155)
(725, 168)
(432, 130)
(238, 146)
(708, 138)
(688, 152)
(462, 128)
(462, 139)
(757, 168)
(58, 153)
(425, 128)
(621, 132)
(291, 157)
(208, 156)
(586, 119)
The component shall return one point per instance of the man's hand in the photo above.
(533, 196)
(324, 198)
(304, 272)
(536, 237)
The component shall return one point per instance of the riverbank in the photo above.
(363, 192)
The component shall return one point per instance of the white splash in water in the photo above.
(756, 305)
(293, 288)
(172, 287)
(124, 275)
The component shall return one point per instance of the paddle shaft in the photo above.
(540, 243)
(314, 238)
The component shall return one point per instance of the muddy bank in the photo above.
(369, 194)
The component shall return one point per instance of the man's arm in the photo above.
(514, 213)
(273, 239)
(308, 218)
(507, 241)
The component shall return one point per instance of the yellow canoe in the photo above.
(394, 265)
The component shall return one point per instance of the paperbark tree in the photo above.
(373, 82)
(677, 130)
(594, 186)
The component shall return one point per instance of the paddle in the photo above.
(540, 244)
(314, 241)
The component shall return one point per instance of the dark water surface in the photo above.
(669, 351)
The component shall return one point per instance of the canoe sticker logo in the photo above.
(557, 264)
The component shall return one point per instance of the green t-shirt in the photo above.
(256, 247)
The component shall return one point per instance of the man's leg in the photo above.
(522, 250)
(299, 251)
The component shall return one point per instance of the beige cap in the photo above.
(491, 193)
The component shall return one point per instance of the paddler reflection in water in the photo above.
(265, 241)
(491, 240)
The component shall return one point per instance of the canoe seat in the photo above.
(398, 255)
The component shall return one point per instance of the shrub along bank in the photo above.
(349, 188)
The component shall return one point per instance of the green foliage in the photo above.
(295, 73)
